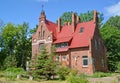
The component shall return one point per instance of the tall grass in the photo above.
(101, 74)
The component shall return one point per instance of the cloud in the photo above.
(113, 10)
(41, 0)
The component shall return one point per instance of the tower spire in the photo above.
(42, 16)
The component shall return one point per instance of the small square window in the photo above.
(64, 57)
(81, 29)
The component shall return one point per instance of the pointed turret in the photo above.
(42, 16)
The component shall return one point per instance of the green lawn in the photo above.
(6, 80)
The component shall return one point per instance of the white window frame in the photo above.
(64, 57)
(83, 59)
(57, 58)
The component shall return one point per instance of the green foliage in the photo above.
(32, 31)
(77, 78)
(111, 37)
(63, 72)
(12, 72)
(100, 74)
(114, 22)
(84, 17)
(118, 67)
(15, 41)
(10, 61)
(45, 65)
(66, 17)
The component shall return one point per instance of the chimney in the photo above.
(59, 24)
(95, 18)
(68, 23)
(78, 19)
(73, 22)
(65, 23)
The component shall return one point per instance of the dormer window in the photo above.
(61, 45)
(81, 29)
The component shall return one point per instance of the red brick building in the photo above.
(78, 45)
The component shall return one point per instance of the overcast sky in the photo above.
(19, 11)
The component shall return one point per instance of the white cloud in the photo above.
(41, 0)
(114, 9)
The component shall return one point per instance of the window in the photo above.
(57, 58)
(102, 62)
(81, 29)
(96, 44)
(60, 45)
(85, 61)
(39, 34)
(41, 46)
(64, 57)
(49, 38)
(43, 34)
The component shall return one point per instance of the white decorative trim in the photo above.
(41, 41)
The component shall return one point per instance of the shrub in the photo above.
(13, 72)
(10, 61)
(100, 74)
(63, 72)
(1, 74)
(118, 67)
(77, 78)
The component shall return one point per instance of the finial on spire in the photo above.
(42, 7)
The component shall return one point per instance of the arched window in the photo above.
(43, 34)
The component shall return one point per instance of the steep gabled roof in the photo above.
(78, 39)
(82, 39)
(51, 27)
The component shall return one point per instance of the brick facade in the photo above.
(78, 48)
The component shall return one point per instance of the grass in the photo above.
(101, 74)
(6, 80)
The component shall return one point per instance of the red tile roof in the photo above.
(64, 39)
(62, 49)
(83, 39)
(51, 27)
(78, 39)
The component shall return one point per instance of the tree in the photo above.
(45, 64)
(10, 62)
(32, 31)
(23, 46)
(114, 21)
(1, 23)
(66, 17)
(15, 41)
(84, 17)
(111, 37)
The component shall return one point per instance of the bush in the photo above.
(63, 72)
(13, 72)
(118, 67)
(10, 61)
(100, 74)
(77, 78)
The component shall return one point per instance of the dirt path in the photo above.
(112, 79)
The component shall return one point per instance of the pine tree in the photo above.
(45, 64)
